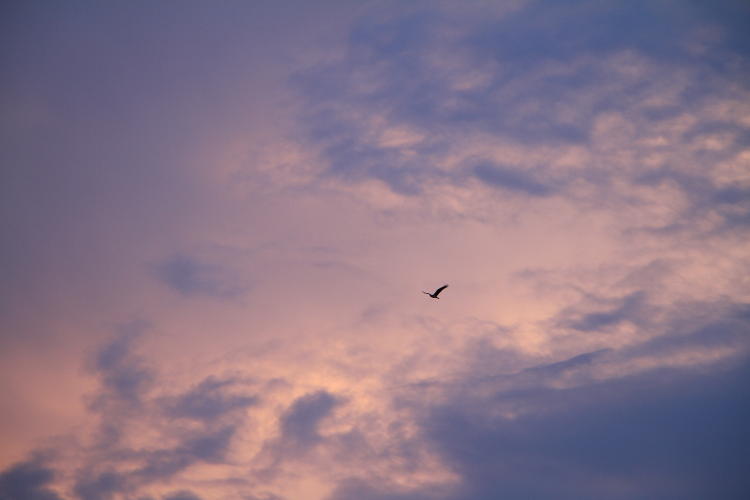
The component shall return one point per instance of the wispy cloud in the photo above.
(131, 401)
(192, 277)
(629, 308)
(510, 179)
(208, 401)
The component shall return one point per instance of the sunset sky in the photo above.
(219, 217)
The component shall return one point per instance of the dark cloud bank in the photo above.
(660, 433)
(551, 430)
(669, 434)
(28, 481)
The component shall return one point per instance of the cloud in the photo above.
(300, 438)
(300, 423)
(635, 437)
(102, 486)
(124, 380)
(629, 308)
(639, 436)
(208, 401)
(154, 465)
(268, 496)
(191, 277)
(362, 490)
(510, 179)
(123, 375)
(553, 370)
(182, 495)
(204, 446)
(584, 427)
(150, 435)
(131, 401)
(697, 327)
(28, 480)
(567, 99)
(728, 203)
(176, 495)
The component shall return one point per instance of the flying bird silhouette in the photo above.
(435, 294)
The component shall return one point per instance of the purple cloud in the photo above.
(191, 277)
(28, 480)
(559, 430)
(208, 401)
(299, 424)
(510, 179)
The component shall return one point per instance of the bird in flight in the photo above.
(435, 294)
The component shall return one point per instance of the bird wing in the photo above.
(440, 289)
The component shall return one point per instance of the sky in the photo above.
(219, 218)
